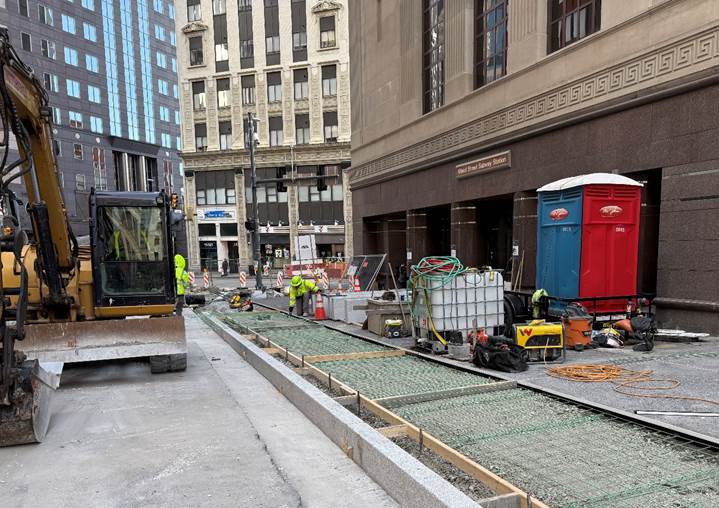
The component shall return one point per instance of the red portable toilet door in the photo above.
(610, 243)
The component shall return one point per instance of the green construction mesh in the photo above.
(568, 456)
(399, 375)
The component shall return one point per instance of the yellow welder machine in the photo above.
(542, 341)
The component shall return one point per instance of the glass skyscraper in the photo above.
(110, 69)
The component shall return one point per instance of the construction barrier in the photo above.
(243, 279)
(266, 269)
(325, 280)
(206, 279)
(191, 277)
(280, 279)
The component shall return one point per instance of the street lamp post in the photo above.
(251, 131)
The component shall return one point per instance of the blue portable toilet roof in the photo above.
(590, 179)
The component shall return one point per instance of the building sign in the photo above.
(321, 229)
(215, 214)
(485, 164)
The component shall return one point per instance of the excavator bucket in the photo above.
(25, 419)
(111, 339)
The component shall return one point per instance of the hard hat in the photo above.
(296, 280)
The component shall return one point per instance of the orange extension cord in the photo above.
(622, 379)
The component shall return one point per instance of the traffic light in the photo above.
(280, 173)
(250, 225)
(174, 200)
(321, 185)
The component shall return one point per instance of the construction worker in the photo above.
(298, 288)
(183, 281)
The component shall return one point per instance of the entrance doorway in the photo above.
(494, 224)
(208, 255)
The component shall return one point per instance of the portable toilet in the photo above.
(588, 239)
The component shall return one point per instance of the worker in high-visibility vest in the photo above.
(298, 289)
(118, 247)
(183, 281)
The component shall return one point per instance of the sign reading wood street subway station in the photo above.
(485, 164)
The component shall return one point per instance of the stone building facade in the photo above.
(561, 88)
(287, 63)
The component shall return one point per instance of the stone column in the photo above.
(243, 246)
(347, 198)
(416, 235)
(293, 214)
(464, 233)
(193, 247)
(524, 235)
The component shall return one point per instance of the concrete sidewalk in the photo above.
(218, 434)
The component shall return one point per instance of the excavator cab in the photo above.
(132, 253)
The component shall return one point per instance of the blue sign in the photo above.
(217, 214)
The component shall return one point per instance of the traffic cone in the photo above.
(356, 287)
(319, 309)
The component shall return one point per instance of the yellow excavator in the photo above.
(62, 302)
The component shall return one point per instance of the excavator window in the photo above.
(133, 245)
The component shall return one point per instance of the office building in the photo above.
(461, 109)
(287, 63)
(110, 70)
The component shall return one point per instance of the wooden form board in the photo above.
(494, 482)
(354, 356)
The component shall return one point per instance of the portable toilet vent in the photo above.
(588, 239)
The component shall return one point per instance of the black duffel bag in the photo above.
(499, 353)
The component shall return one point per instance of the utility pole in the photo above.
(251, 131)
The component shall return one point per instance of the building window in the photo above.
(73, 88)
(171, 11)
(223, 93)
(92, 63)
(166, 140)
(56, 116)
(51, 82)
(160, 33)
(302, 129)
(327, 32)
(173, 39)
(174, 65)
(231, 200)
(225, 129)
(177, 117)
(77, 151)
(71, 56)
(272, 44)
(68, 23)
(57, 147)
(45, 15)
(331, 129)
(274, 87)
(222, 54)
(80, 179)
(219, 7)
(571, 20)
(22, 8)
(25, 41)
(161, 59)
(164, 114)
(490, 49)
(329, 80)
(89, 4)
(198, 95)
(48, 49)
(276, 132)
(302, 86)
(96, 124)
(248, 89)
(93, 94)
(157, 6)
(194, 13)
(299, 40)
(433, 54)
(75, 119)
(200, 137)
(178, 142)
(247, 49)
(196, 55)
(244, 5)
(89, 31)
(162, 87)
(99, 168)
(175, 91)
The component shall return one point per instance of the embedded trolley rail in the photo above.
(514, 440)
